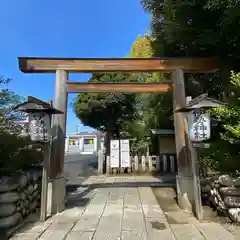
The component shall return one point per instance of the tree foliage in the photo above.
(198, 28)
(106, 111)
(138, 128)
(142, 47)
(14, 151)
(224, 153)
(120, 114)
(153, 109)
(203, 28)
(195, 28)
(8, 99)
(229, 117)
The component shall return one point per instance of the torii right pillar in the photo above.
(184, 179)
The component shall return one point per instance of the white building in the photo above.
(84, 142)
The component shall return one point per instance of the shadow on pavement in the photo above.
(167, 200)
(76, 193)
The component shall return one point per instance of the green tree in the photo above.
(108, 112)
(229, 117)
(204, 28)
(14, 152)
(224, 153)
(8, 99)
(137, 128)
(152, 105)
(152, 109)
(125, 115)
(195, 28)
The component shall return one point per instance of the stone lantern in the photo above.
(199, 130)
(39, 114)
(39, 130)
(198, 117)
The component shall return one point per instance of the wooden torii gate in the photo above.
(176, 66)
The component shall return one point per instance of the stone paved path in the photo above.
(118, 208)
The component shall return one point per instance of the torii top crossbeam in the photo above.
(91, 65)
(175, 66)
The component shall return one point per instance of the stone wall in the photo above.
(223, 194)
(19, 197)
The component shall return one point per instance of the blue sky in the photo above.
(64, 28)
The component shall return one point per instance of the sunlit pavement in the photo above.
(119, 207)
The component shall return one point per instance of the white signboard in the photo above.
(125, 153)
(39, 127)
(199, 124)
(114, 154)
(124, 145)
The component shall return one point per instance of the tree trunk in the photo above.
(107, 142)
(118, 134)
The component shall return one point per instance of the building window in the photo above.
(88, 141)
(73, 142)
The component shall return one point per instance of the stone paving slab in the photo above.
(76, 235)
(153, 212)
(214, 231)
(95, 210)
(32, 233)
(39, 228)
(116, 210)
(106, 235)
(87, 223)
(69, 215)
(132, 235)
(113, 210)
(56, 231)
(165, 234)
(186, 232)
(26, 236)
(108, 228)
(137, 225)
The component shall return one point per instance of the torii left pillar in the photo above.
(58, 144)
